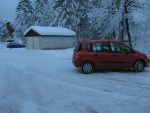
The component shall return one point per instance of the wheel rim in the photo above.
(140, 66)
(87, 68)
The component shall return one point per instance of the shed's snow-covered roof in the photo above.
(48, 31)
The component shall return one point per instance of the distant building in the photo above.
(42, 38)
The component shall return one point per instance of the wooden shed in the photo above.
(42, 38)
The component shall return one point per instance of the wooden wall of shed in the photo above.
(44, 43)
(56, 42)
(33, 43)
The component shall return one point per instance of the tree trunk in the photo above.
(122, 30)
(127, 23)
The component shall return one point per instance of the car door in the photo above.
(122, 56)
(102, 55)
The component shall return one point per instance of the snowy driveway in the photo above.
(47, 82)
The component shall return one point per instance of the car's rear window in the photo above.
(77, 46)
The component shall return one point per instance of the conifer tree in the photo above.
(4, 34)
(24, 17)
(66, 14)
(83, 27)
(42, 12)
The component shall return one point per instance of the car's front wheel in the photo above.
(139, 66)
(87, 68)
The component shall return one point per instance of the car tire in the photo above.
(139, 66)
(87, 68)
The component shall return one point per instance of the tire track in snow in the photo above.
(32, 91)
(109, 84)
(11, 88)
(18, 89)
(127, 83)
(103, 84)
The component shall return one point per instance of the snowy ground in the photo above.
(47, 82)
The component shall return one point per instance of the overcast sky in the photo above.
(7, 9)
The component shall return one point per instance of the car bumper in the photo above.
(75, 63)
(148, 63)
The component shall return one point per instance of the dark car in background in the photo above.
(15, 45)
(90, 55)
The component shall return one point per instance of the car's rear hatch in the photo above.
(77, 48)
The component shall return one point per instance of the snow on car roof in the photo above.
(44, 30)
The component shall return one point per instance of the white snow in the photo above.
(47, 82)
(58, 31)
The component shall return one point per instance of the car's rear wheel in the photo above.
(139, 66)
(87, 67)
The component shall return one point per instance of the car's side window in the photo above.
(116, 47)
(101, 47)
(97, 47)
(125, 49)
(89, 47)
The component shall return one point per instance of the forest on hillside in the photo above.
(90, 19)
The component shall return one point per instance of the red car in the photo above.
(90, 55)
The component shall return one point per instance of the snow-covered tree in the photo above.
(102, 18)
(10, 29)
(110, 16)
(66, 14)
(24, 17)
(83, 27)
(43, 12)
(140, 30)
(128, 6)
(4, 34)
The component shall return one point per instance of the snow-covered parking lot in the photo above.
(47, 82)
